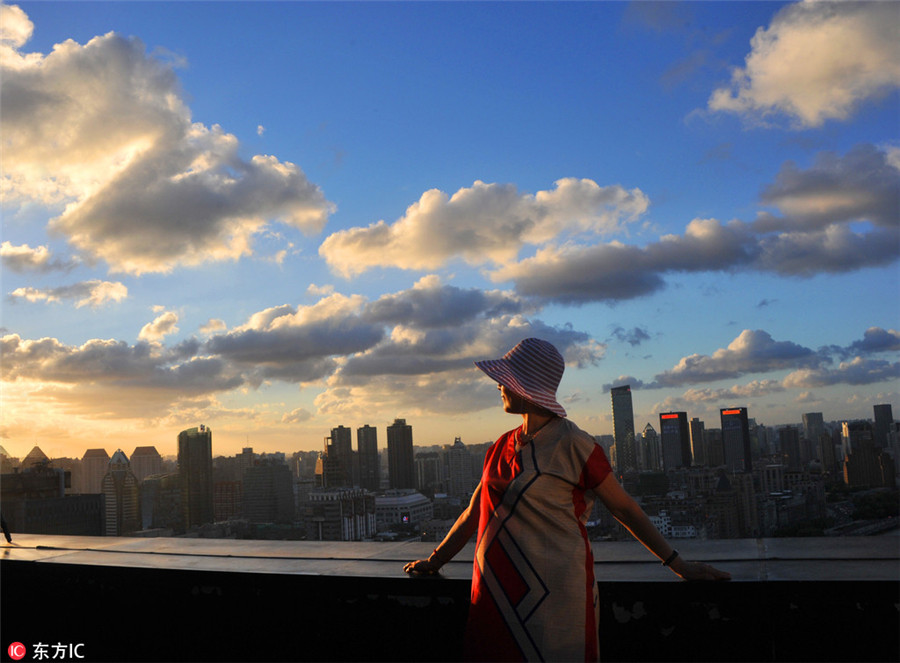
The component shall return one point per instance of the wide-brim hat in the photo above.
(531, 370)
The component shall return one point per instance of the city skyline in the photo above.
(381, 448)
(275, 219)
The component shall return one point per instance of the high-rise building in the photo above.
(698, 443)
(736, 439)
(884, 419)
(242, 461)
(196, 475)
(623, 429)
(145, 462)
(94, 465)
(367, 453)
(649, 450)
(339, 457)
(789, 443)
(676, 440)
(120, 488)
(459, 470)
(865, 463)
(813, 426)
(429, 473)
(161, 502)
(401, 461)
(268, 493)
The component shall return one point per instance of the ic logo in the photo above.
(16, 651)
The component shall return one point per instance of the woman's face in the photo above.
(512, 402)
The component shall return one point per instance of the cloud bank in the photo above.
(817, 61)
(102, 132)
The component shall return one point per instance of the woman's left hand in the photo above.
(698, 571)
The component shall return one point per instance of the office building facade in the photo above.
(367, 455)
(401, 459)
(196, 475)
(736, 439)
(121, 492)
(675, 435)
(623, 429)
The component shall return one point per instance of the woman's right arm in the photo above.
(463, 529)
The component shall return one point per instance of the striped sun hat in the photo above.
(532, 370)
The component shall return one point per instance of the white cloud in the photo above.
(93, 293)
(482, 224)
(162, 326)
(111, 379)
(213, 325)
(103, 128)
(753, 351)
(817, 61)
(23, 258)
(840, 215)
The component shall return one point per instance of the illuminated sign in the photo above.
(731, 412)
(668, 416)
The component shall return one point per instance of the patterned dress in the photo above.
(533, 592)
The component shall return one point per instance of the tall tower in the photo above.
(94, 465)
(121, 494)
(698, 444)
(401, 463)
(676, 440)
(145, 462)
(367, 452)
(884, 419)
(649, 451)
(459, 469)
(623, 429)
(736, 439)
(195, 473)
(339, 457)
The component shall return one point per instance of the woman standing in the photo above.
(534, 596)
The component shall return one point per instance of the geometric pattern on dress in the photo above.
(512, 580)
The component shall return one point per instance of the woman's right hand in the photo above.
(422, 567)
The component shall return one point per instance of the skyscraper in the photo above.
(196, 476)
(145, 462)
(676, 440)
(367, 452)
(94, 465)
(884, 419)
(736, 439)
(401, 462)
(698, 444)
(459, 469)
(121, 494)
(339, 457)
(814, 431)
(268, 493)
(648, 450)
(623, 429)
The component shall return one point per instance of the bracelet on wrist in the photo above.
(670, 558)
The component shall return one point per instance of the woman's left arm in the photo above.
(628, 512)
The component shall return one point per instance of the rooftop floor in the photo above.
(748, 560)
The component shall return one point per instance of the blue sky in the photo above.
(278, 218)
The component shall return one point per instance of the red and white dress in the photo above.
(534, 597)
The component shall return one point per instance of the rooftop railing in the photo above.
(180, 599)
